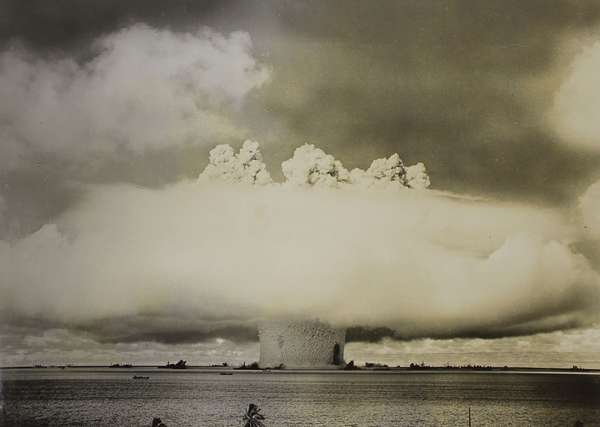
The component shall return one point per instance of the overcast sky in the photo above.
(108, 111)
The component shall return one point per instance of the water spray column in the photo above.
(301, 344)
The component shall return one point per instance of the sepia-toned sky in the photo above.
(108, 109)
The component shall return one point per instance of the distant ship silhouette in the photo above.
(179, 365)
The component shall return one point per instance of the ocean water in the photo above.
(205, 398)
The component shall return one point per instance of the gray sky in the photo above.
(106, 107)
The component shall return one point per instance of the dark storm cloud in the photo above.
(169, 330)
(462, 86)
(165, 328)
(66, 24)
(372, 335)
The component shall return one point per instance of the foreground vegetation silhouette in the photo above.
(253, 417)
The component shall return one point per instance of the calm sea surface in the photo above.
(195, 397)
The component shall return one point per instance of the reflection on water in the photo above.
(195, 397)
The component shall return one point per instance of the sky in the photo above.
(130, 232)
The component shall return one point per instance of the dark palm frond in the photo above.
(253, 417)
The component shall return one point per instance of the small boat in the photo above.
(225, 373)
(140, 377)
